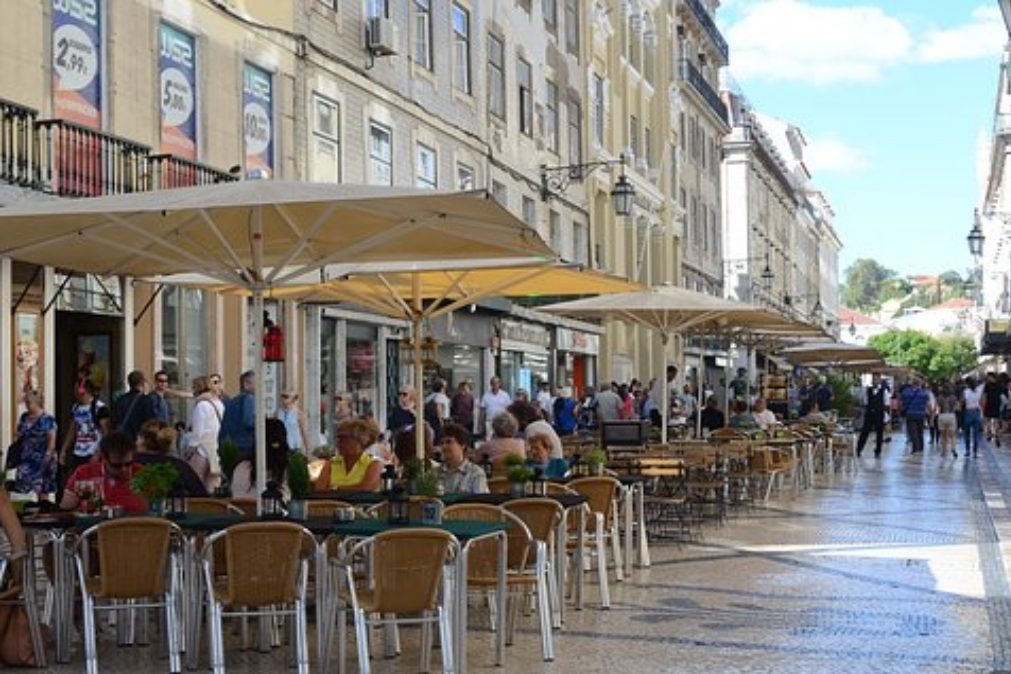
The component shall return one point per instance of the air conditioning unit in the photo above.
(381, 36)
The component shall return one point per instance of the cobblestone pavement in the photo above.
(899, 569)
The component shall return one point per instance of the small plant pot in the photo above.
(596, 469)
(298, 509)
(518, 489)
(156, 507)
(431, 513)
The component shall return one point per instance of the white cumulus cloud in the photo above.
(800, 41)
(795, 40)
(984, 35)
(831, 154)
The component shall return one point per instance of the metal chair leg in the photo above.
(362, 638)
(446, 637)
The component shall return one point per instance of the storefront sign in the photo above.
(576, 341)
(77, 61)
(258, 118)
(519, 336)
(177, 63)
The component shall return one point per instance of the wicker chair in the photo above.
(247, 506)
(267, 572)
(407, 572)
(522, 573)
(414, 506)
(211, 506)
(498, 485)
(603, 494)
(136, 561)
(542, 517)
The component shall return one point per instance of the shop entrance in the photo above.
(88, 346)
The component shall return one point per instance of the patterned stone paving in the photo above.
(900, 569)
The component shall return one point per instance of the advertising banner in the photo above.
(77, 61)
(178, 92)
(258, 118)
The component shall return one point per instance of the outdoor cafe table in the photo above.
(58, 525)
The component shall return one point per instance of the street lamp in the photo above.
(767, 275)
(975, 237)
(556, 179)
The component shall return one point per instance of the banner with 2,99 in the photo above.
(258, 118)
(77, 61)
(177, 92)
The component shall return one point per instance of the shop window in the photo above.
(362, 372)
(185, 317)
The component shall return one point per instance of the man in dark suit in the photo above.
(874, 416)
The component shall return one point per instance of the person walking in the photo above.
(915, 401)
(608, 404)
(294, 421)
(991, 408)
(947, 423)
(36, 464)
(874, 416)
(238, 423)
(493, 402)
(972, 406)
(90, 421)
(461, 407)
(205, 425)
(405, 413)
(134, 407)
(159, 405)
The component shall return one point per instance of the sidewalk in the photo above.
(900, 569)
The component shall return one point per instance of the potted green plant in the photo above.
(412, 468)
(428, 483)
(299, 485)
(154, 482)
(518, 474)
(323, 452)
(595, 460)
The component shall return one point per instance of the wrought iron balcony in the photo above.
(702, 14)
(166, 171)
(698, 82)
(75, 161)
(16, 146)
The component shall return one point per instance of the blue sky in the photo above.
(892, 96)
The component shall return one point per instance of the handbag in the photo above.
(15, 637)
(13, 456)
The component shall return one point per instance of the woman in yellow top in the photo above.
(352, 469)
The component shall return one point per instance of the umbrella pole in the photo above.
(747, 389)
(665, 411)
(701, 385)
(260, 420)
(419, 374)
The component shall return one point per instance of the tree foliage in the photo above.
(939, 359)
(863, 284)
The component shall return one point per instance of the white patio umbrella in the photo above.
(667, 309)
(263, 234)
(831, 353)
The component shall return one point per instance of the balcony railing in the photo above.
(709, 25)
(16, 146)
(166, 171)
(698, 82)
(75, 161)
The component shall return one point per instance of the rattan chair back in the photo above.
(498, 485)
(247, 506)
(541, 515)
(482, 560)
(132, 557)
(210, 506)
(263, 561)
(325, 508)
(407, 569)
(601, 493)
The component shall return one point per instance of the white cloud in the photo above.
(984, 35)
(830, 154)
(796, 40)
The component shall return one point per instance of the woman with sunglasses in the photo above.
(108, 479)
(208, 410)
(353, 469)
(404, 413)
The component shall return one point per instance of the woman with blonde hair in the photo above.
(353, 469)
(36, 443)
(208, 410)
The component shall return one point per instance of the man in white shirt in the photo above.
(544, 400)
(762, 415)
(493, 402)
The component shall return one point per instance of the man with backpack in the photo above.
(90, 423)
(134, 407)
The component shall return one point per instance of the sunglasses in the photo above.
(404, 394)
(215, 381)
(161, 381)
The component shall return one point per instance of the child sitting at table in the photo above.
(108, 479)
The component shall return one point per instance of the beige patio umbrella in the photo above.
(263, 234)
(667, 309)
(420, 295)
(831, 353)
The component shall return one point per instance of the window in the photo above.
(377, 9)
(524, 74)
(551, 15)
(702, 147)
(380, 154)
(551, 116)
(705, 227)
(500, 193)
(464, 177)
(635, 41)
(427, 170)
(530, 211)
(682, 131)
(580, 252)
(325, 140)
(691, 231)
(598, 109)
(422, 47)
(461, 48)
(716, 232)
(633, 137)
(673, 170)
(647, 147)
(693, 129)
(572, 26)
(575, 133)
(332, 4)
(496, 77)
(555, 233)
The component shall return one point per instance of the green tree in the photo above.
(951, 278)
(938, 359)
(862, 286)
